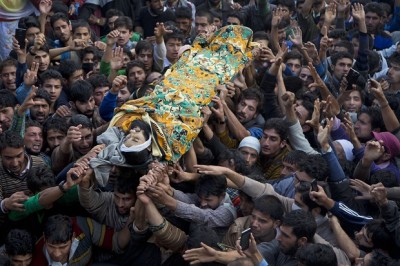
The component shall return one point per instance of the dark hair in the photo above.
(113, 13)
(174, 35)
(132, 64)
(386, 177)
(140, 157)
(303, 188)
(183, 12)
(59, 7)
(316, 255)
(11, 139)
(315, 166)
(8, 62)
(253, 94)
(374, 7)
(91, 50)
(381, 237)
(68, 68)
(288, 3)
(143, 45)
(28, 22)
(260, 35)
(293, 55)
(125, 22)
(279, 125)
(209, 185)
(7, 99)
(56, 123)
(80, 23)
(80, 119)
(43, 48)
(295, 157)
(236, 14)
(50, 74)
(270, 205)
(293, 84)
(43, 94)
(205, 13)
(81, 90)
(58, 16)
(234, 158)
(19, 242)
(98, 80)
(375, 116)
(347, 45)
(201, 234)
(126, 183)
(32, 123)
(302, 223)
(340, 55)
(40, 178)
(356, 35)
(58, 229)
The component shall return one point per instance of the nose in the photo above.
(119, 203)
(57, 143)
(247, 159)
(203, 203)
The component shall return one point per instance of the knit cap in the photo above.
(390, 142)
(250, 142)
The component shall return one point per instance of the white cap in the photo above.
(250, 142)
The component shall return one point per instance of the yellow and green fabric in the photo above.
(173, 109)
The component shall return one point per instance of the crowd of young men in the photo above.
(302, 146)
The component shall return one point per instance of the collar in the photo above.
(74, 246)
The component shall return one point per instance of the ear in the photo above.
(386, 157)
(283, 144)
(332, 67)
(72, 104)
(277, 223)
(302, 241)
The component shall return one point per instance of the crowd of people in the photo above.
(155, 132)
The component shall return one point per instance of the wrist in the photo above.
(383, 203)
(3, 206)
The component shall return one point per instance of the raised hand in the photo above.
(277, 15)
(379, 194)
(361, 187)
(342, 6)
(118, 83)
(206, 111)
(112, 37)
(330, 13)
(297, 38)
(324, 133)
(30, 77)
(63, 111)
(45, 6)
(314, 121)
(218, 110)
(358, 12)
(288, 99)
(117, 60)
(160, 30)
(74, 134)
(28, 102)
(373, 150)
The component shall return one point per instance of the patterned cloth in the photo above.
(175, 105)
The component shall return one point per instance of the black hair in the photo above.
(293, 84)
(98, 80)
(56, 123)
(174, 35)
(253, 94)
(143, 45)
(347, 45)
(356, 35)
(340, 55)
(302, 223)
(201, 234)
(316, 255)
(45, 48)
(394, 58)
(386, 177)
(28, 22)
(205, 13)
(19, 242)
(374, 7)
(32, 123)
(183, 12)
(315, 166)
(80, 23)
(68, 68)
(58, 16)
(235, 159)
(134, 63)
(11, 139)
(9, 61)
(58, 229)
(375, 116)
(270, 205)
(209, 185)
(260, 35)
(43, 94)
(279, 125)
(40, 178)
(236, 14)
(293, 55)
(51, 74)
(126, 183)
(125, 22)
(91, 50)
(303, 188)
(381, 237)
(288, 3)
(113, 13)
(81, 90)
(59, 7)
(7, 99)
(139, 157)
(80, 119)
(295, 157)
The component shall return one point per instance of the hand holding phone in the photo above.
(352, 78)
(245, 238)
(20, 37)
(314, 185)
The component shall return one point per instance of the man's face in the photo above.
(33, 139)
(233, 21)
(40, 110)
(123, 96)
(62, 30)
(363, 127)
(300, 176)
(21, 260)
(373, 21)
(54, 138)
(210, 202)
(301, 113)
(246, 110)
(184, 24)
(288, 168)
(281, 35)
(8, 77)
(295, 65)
(287, 241)
(84, 145)
(13, 159)
(53, 87)
(85, 108)
(6, 116)
(353, 102)
(394, 74)
(342, 67)
(82, 33)
(99, 93)
(262, 225)
(111, 21)
(31, 33)
(356, 44)
(77, 75)
(146, 57)
(137, 76)
(156, 6)
(88, 58)
(124, 202)
(124, 36)
(306, 76)
(285, 12)
(363, 238)
(246, 205)
(217, 22)
(59, 252)
(201, 25)
(250, 155)
(271, 143)
(43, 58)
(173, 46)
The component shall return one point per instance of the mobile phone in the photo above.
(245, 238)
(314, 185)
(352, 78)
(20, 36)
